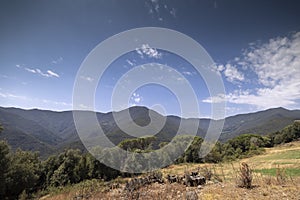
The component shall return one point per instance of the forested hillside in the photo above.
(52, 132)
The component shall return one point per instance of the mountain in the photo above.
(50, 132)
(262, 122)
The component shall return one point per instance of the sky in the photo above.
(255, 47)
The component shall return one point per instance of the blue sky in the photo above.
(255, 46)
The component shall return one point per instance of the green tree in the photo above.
(288, 134)
(67, 172)
(143, 143)
(216, 154)
(193, 151)
(4, 167)
(24, 173)
(49, 166)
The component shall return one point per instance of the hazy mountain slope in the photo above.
(56, 122)
(12, 121)
(25, 134)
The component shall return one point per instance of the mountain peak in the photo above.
(279, 108)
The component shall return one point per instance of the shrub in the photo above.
(245, 176)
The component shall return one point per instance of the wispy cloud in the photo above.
(30, 70)
(215, 5)
(216, 99)
(130, 62)
(146, 50)
(48, 73)
(28, 102)
(85, 107)
(188, 73)
(87, 78)
(58, 60)
(60, 103)
(158, 8)
(173, 12)
(4, 76)
(10, 95)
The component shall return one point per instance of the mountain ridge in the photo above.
(53, 131)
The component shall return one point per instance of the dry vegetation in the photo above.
(275, 174)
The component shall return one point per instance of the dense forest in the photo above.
(23, 172)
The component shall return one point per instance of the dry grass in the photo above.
(221, 191)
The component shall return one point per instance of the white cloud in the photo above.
(180, 79)
(148, 51)
(47, 74)
(173, 12)
(157, 9)
(136, 98)
(135, 94)
(87, 78)
(220, 68)
(30, 70)
(276, 62)
(130, 62)
(51, 73)
(276, 65)
(230, 72)
(85, 107)
(187, 73)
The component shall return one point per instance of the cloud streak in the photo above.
(48, 73)
(51, 73)
(87, 78)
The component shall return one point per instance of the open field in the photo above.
(276, 175)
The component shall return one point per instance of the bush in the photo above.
(245, 176)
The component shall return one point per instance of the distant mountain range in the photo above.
(50, 132)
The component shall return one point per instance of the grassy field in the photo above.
(276, 175)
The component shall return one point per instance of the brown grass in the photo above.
(263, 191)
